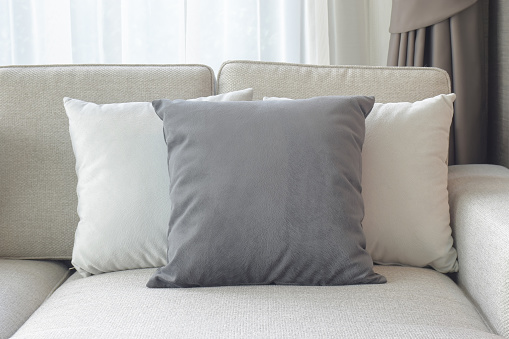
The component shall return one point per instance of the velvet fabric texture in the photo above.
(265, 193)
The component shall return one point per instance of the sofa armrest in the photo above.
(479, 206)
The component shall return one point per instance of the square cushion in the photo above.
(265, 193)
(123, 184)
(405, 184)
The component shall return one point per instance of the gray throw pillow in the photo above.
(265, 192)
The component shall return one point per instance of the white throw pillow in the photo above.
(123, 184)
(404, 184)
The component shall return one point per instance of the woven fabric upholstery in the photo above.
(37, 177)
(415, 303)
(24, 285)
(479, 202)
(387, 84)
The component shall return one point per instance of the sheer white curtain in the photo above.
(194, 31)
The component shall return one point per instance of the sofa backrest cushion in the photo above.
(387, 84)
(37, 167)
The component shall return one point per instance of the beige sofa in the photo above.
(40, 297)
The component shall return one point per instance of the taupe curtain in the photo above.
(447, 34)
(498, 84)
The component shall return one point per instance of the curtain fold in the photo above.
(409, 15)
(455, 44)
(315, 33)
(498, 138)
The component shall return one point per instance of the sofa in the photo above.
(42, 296)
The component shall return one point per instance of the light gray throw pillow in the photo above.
(265, 193)
(122, 184)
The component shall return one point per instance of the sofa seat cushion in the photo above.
(415, 302)
(24, 285)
